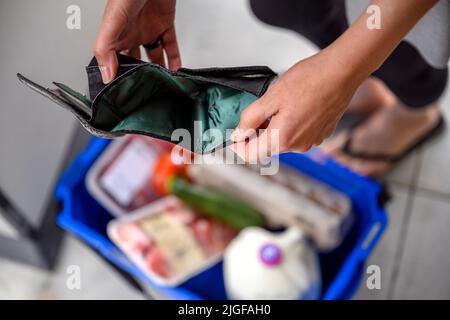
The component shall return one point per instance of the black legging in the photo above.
(405, 72)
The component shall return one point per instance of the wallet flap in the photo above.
(253, 79)
(57, 97)
(82, 99)
(96, 84)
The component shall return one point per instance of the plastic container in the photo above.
(342, 268)
(288, 198)
(119, 178)
(263, 265)
(169, 241)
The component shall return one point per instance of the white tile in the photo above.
(424, 268)
(226, 33)
(18, 281)
(98, 280)
(384, 254)
(434, 174)
(405, 172)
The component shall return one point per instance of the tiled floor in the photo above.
(413, 254)
(97, 279)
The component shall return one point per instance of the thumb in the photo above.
(107, 63)
(252, 118)
(114, 22)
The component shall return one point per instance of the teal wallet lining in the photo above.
(148, 99)
(152, 101)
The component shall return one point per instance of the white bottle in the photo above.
(259, 264)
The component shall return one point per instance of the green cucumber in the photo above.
(217, 205)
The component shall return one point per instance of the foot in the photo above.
(371, 96)
(390, 131)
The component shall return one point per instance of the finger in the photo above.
(239, 149)
(113, 23)
(252, 118)
(258, 148)
(267, 143)
(107, 63)
(135, 53)
(170, 44)
(255, 149)
(252, 148)
(156, 55)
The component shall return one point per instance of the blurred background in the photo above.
(38, 140)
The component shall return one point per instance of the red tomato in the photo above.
(165, 169)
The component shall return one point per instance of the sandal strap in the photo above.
(346, 148)
(366, 156)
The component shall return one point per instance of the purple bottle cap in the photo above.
(270, 254)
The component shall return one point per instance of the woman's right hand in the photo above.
(128, 24)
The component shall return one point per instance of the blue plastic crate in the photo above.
(342, 269)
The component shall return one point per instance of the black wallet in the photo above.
(196, 108)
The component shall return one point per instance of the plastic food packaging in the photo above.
(169, 241)
(260, 265)
(287, 198)
(119, 179)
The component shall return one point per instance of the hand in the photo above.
(128, 24)
(304, 104)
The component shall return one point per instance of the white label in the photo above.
(130, 172)
(176, 241)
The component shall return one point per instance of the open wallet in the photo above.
(151, 100)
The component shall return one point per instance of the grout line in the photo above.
(437, 195)
(412, 191)
(417, 167)
(401, 185)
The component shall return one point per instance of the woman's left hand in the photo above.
(301, 108)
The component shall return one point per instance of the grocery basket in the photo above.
(342, 269)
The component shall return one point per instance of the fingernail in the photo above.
(235, 135)
(106, 74)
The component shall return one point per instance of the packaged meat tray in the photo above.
(120, 178)
(169, 241)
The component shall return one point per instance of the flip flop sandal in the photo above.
(393, 159)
